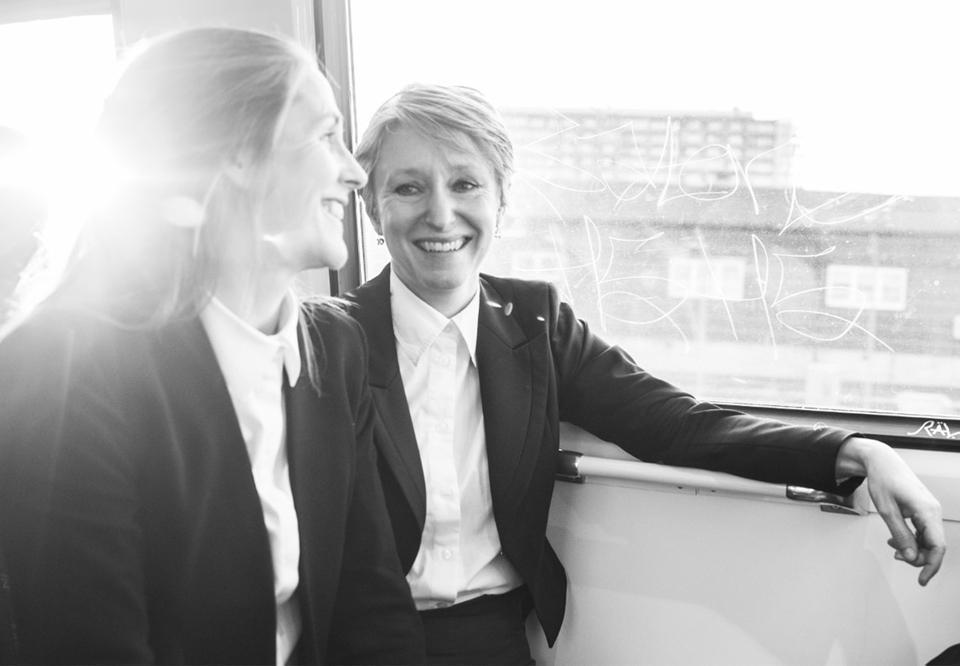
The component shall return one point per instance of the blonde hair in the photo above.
(447, 114)
(186, 104)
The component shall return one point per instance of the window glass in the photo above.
(759, 203)
(54, 76)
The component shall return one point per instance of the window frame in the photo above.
(335, 50)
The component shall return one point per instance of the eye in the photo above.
(464, 185)
(406, 189)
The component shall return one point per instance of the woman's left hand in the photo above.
(899, 496)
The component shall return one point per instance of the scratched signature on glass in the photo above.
(768, 272)
(935, 429)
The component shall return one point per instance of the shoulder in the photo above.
(528, 295)
(530, 302)
(373, 290)
(55, 336)
(331, 322)
(335, 357)
(369, 304)
(60, 362)
(338, 343)
(515, 287)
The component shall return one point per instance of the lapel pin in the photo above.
(508, 308)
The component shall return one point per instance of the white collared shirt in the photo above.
(253, 365)
(459, 556)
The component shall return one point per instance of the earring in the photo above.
(380, 240)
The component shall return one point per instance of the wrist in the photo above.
(853, 457)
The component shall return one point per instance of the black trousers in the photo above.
(948, 657)
(487, 630)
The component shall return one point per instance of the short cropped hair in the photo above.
(446, 114)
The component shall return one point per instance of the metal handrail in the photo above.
(576, 467)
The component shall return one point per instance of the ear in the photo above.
(371, 214)
(504, 193)
(237, 170)
(375, 223)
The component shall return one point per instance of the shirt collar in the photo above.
(417, 324)
(234, 339)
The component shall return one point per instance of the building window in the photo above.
(866, 287)
(720, 278)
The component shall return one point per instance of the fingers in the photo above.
(931, 548)
(899, 496)
(902, 539)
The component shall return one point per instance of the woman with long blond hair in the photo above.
(186, 463)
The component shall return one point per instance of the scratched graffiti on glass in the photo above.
(685, 239)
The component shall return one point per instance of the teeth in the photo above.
(449, 246)
(334, 208)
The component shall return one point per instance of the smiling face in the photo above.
(308, 182)
(437, 209)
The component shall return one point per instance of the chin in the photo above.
(335, 263)
(333, 256)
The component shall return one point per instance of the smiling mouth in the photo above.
(447, 246)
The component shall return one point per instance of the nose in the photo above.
(353, 175)
(441, 209)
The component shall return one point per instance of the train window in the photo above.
(761, 205)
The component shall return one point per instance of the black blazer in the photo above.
(539, 365)
(129, 517)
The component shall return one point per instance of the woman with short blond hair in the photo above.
(472, 373)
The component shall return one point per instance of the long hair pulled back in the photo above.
(186, 107)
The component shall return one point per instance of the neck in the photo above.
(446, 301)
(447, 304)
(256, 299)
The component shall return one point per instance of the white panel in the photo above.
(681, 578)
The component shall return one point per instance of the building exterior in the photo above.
(839, 299)
(702, 151)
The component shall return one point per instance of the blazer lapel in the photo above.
(318, 479)
(317, 469)
(216, 476)
(187, 362)
(396, 440)
(506, 381)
